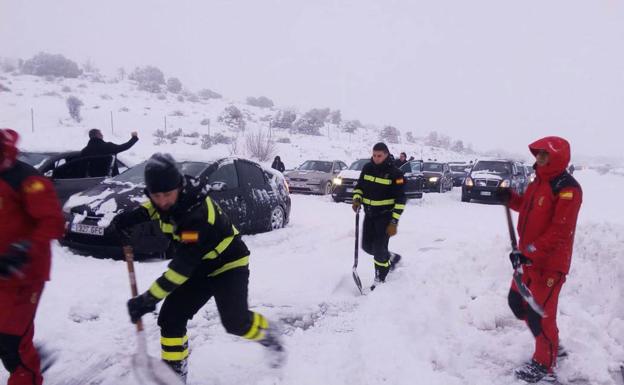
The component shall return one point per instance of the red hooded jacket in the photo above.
(549, 209)
(29, 211)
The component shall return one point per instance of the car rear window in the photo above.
(437, 167)
(315, 165)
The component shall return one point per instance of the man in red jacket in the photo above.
(29, 200)
(546, 224)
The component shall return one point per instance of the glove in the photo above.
(391, 230)
(504, 193)
(141, 304)
(14, 259)
(356, 204)
(518, 259)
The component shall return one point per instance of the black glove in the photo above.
(14, 259)
(504, 193)
(357, 202)
(140, 305)
(518, 259)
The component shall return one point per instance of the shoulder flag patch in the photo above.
(34, 187)
(399, 181)
(566, 195)
(189, 236)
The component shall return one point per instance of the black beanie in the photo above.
(162, 174)
(381, 146)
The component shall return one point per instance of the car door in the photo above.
(71, 176)
(257, 192)
(227, 192)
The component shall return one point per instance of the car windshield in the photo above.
(316, 165)
(32, 158)
(458, 167)
(412, 167)
(134, 175)
(435, 167)
(493, 167)
(358, 165)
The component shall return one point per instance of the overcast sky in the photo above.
(494, 73)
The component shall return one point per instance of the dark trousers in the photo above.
(375, 241)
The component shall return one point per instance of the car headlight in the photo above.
(531, 178)
(337, 181)
(468, 182)
(433, 179)
(505, 183)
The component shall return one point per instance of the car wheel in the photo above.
(327, 188)
(337, 200)
(278, 218)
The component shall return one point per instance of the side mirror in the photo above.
(48, 173)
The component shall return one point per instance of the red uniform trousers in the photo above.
(18, 306)
(545, 286)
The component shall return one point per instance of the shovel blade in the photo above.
(357, 280)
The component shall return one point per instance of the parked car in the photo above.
(314, 176)
(437, 176)
(414, 179)
(459, 172)
(344, 182)
(69, 171)
(530, 171)
(488, 176)
(254, 198)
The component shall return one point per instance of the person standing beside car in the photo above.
(401, 161)
(546, 226)
(97, 147)
(380, 188)
(209, 260)
(278, 165)
(29, 200)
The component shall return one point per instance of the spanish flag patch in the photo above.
(399, 181)
(189, 236)
(34, 187)
(566, 195)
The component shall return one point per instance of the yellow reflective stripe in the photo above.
(151, 210)
(168, 228)
(399, 206)
(175, 277)
(224, 244)
(174, 356)
(173, 341)
(232, 265)
(256, 331)
(382, 264)
(211, 211)
(158, 291)
(385, 202)
(396, 215)
(374, 179)
(358, 191)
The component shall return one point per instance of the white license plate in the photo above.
(87, 229)
(486, 193)
(349, 189)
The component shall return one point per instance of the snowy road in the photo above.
(441, 318)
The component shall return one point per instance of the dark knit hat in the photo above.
(162, 174)
(381, 146)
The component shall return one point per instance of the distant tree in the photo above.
(432, 139)
(45, 64)
(121, 73)
(284, 119)
(335, 117)
(149, 78)
(390, 134)
(73, 105)
(312, 121)
(261, 101)
(409, 136)
(445, 141)
(233, 118)
(458, 146)
(174, 85)
(351, 125)
(208, 94)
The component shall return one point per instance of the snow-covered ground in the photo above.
(441, 318)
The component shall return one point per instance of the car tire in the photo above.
(328, 188)
(337, 200)
(277, 219)
(465, 198)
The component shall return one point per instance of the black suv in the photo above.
(488, 176)
(438, 177)
(459, 172)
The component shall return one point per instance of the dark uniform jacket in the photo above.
(381, 189)
(98, 147)
(204, 240)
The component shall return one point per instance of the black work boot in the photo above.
(394, 260)
(179, 367)
(533, 372)
(273, 343)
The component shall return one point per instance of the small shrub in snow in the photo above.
(52, 93)
(206, 142)
(174, 85)
(96, 107)
(45, 64)
(180, 98)
(283, 140)
(124, 109)
(335, 117)
(233, 118)
(409, 136)
(106, 97)
(149, 78)
(177, 113)
(66, 89)
(205, 122)
(73, 106)
(284, 119)
(82, 85)
(259, 146)
(208, 94)
(193, 134)
(50, 78)
(219, 138)
(4, 88)
(312, 121)
(192, 98)
(262, 102)
(351, 125)
(390, 134)
(161, 97)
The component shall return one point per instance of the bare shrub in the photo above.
(259, 146)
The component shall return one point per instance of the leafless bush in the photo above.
(73, 105)
(259, 146)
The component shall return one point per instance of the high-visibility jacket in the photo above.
(381, 189)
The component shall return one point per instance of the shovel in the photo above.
(356, 277)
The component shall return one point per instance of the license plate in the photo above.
(486, 193)
(349, 189)
(87, 229)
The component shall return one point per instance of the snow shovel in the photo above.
(356, 277)
(148, 370)
(525, 292)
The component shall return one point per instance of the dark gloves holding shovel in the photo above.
(518, 259)
(141, 304)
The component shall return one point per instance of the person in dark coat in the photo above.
(278, 165)
(401, 161)
(97, 147)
